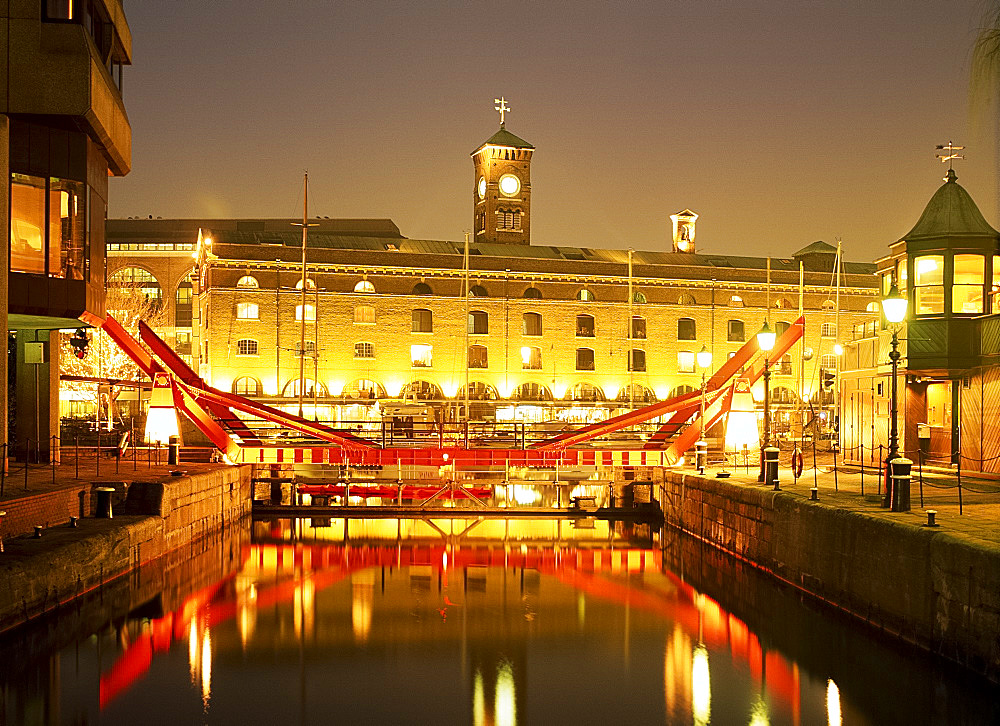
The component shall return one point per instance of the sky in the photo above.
(779, 123)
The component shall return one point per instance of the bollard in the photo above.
(2, 515)
(701, 456)
(74, 522)
(104, 502)
(771, 467)
(931, 521)
(38, 531)
(900, 482)
(174, 451)
(814, 494)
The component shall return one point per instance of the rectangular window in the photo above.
(686, 329)
(364, 314)
(310, 348)
(531, 358)
(421, 356)
(246, 347)
(736, 334)
(638, 328)
(532, 324)
(247, 311)
(67, 228)
(364, 350)
(27, 224)
(422, 321)
(310, 312)
(685, 361)
(584, 359)
(637, 360)
(59, 10)
(928, 284)
(478, 356)
(182, 343)
(967, 293)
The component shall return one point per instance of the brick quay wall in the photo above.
(156, 519)
(925, 585)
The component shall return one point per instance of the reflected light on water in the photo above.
(701, 687)
(758, 713)
(206, 668)
(505, 707)
(833, 715)
(362, 603)
(193, 651)
(478, 701)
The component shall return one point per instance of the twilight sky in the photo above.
(779, 122)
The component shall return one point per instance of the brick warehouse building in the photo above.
(551, 332)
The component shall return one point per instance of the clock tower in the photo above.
(501, 191)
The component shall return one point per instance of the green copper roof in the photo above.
(951, 213)
(818, 247)
(503, 137)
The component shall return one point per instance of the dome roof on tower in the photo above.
(951, 213)
(503, 137)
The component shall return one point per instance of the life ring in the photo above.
(797, 463)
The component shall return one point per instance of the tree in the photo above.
(128, 305)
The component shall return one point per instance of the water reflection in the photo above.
(416, 622)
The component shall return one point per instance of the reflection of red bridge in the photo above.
(217, 415)
(597, 572)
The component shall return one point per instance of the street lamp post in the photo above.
(765, 341)
(705, 363)
(894, 309)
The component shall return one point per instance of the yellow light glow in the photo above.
(833, 715)
(758, 713)
(558, 390)
(525, 355)
(506, 388)
(478, 700)
(925, 265)
(662, 392)
(526, 495)
(838, 349)
(393, 388)
(64, 204)
(701, 687)
(362, 604)
(509, 185)
(450, 389)
(161, 424)
(336, 388)
(193, 650)
(206, 668)
(741, 423)
(505, 707)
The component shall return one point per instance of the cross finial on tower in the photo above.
(949, 154)
(501, 106)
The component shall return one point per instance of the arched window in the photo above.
(638, 328)
(585, 295)
(247, 282)
(532, 293)
(736, 333)
(686, 329)
(829, 305)
(246, 386)
(872, 307)
(363, 389)
(479, 391)
(140, 280)
(638, 297)
(783, 303)
(680, 390)
(310, 312)
(637, 393)
(364, 314)
(585, 326)
(585, 392)
(477, 291)
(364, 286)
(531, 391)
(531, 358)
(686, 299)
(421, 391)
(422, 321)
(364, 350)
(637, 360)
(735, 301)
(478, 356)
(781, 327)
(310, 284)
(531, 324)
(422, 288)
(246, 346)
(828, 362)
(310, 388)
(310, 348)
(247, 311)
(183, 299)
(828, 330)
(479, 323)
(585, 359)
(780, 394)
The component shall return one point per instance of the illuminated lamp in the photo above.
(741, 422)
(161, 421)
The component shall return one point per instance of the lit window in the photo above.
(138, 280)
(310, 312)
(735, 301)
(585, 295)
(364, 286)
(248, 311)
(781, 327)
(638, 328)
(872, 307)
(735, 332)
(638, 298)
(67, 228)
(928, 284)
(246, 386)
(479, 323)
(310, 348)
(478, 356)
(686, 299)
(364, 314)
(901, 276)
(637, 360)
(531, 324)
(585, 359)
(531, 358)
(828, 330)
(421, 356)
(828, 362)
(585, 326)
(685, 361)
(310, 284)
(967, 292)
(183, 305)
(364, 350)
(686, 329)
(422, 321)
(310, 388)
(829, 305)
(248, 282)
(246, 347)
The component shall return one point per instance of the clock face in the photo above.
(510, 185)
(482, 187)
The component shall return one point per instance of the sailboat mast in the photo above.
(302, 310)
(836, 323)
(465, 264)
(628, 333)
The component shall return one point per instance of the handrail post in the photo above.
(98, 449)
(27, 457)
(52, 457)
(920, 472)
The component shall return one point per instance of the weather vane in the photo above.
(502, 107)
(949, 154)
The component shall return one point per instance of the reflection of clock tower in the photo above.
(502, 187)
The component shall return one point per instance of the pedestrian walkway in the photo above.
(975, 519)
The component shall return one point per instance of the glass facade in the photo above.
(48, 226)
(27, 224)
(928, 284)
(967, 292)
